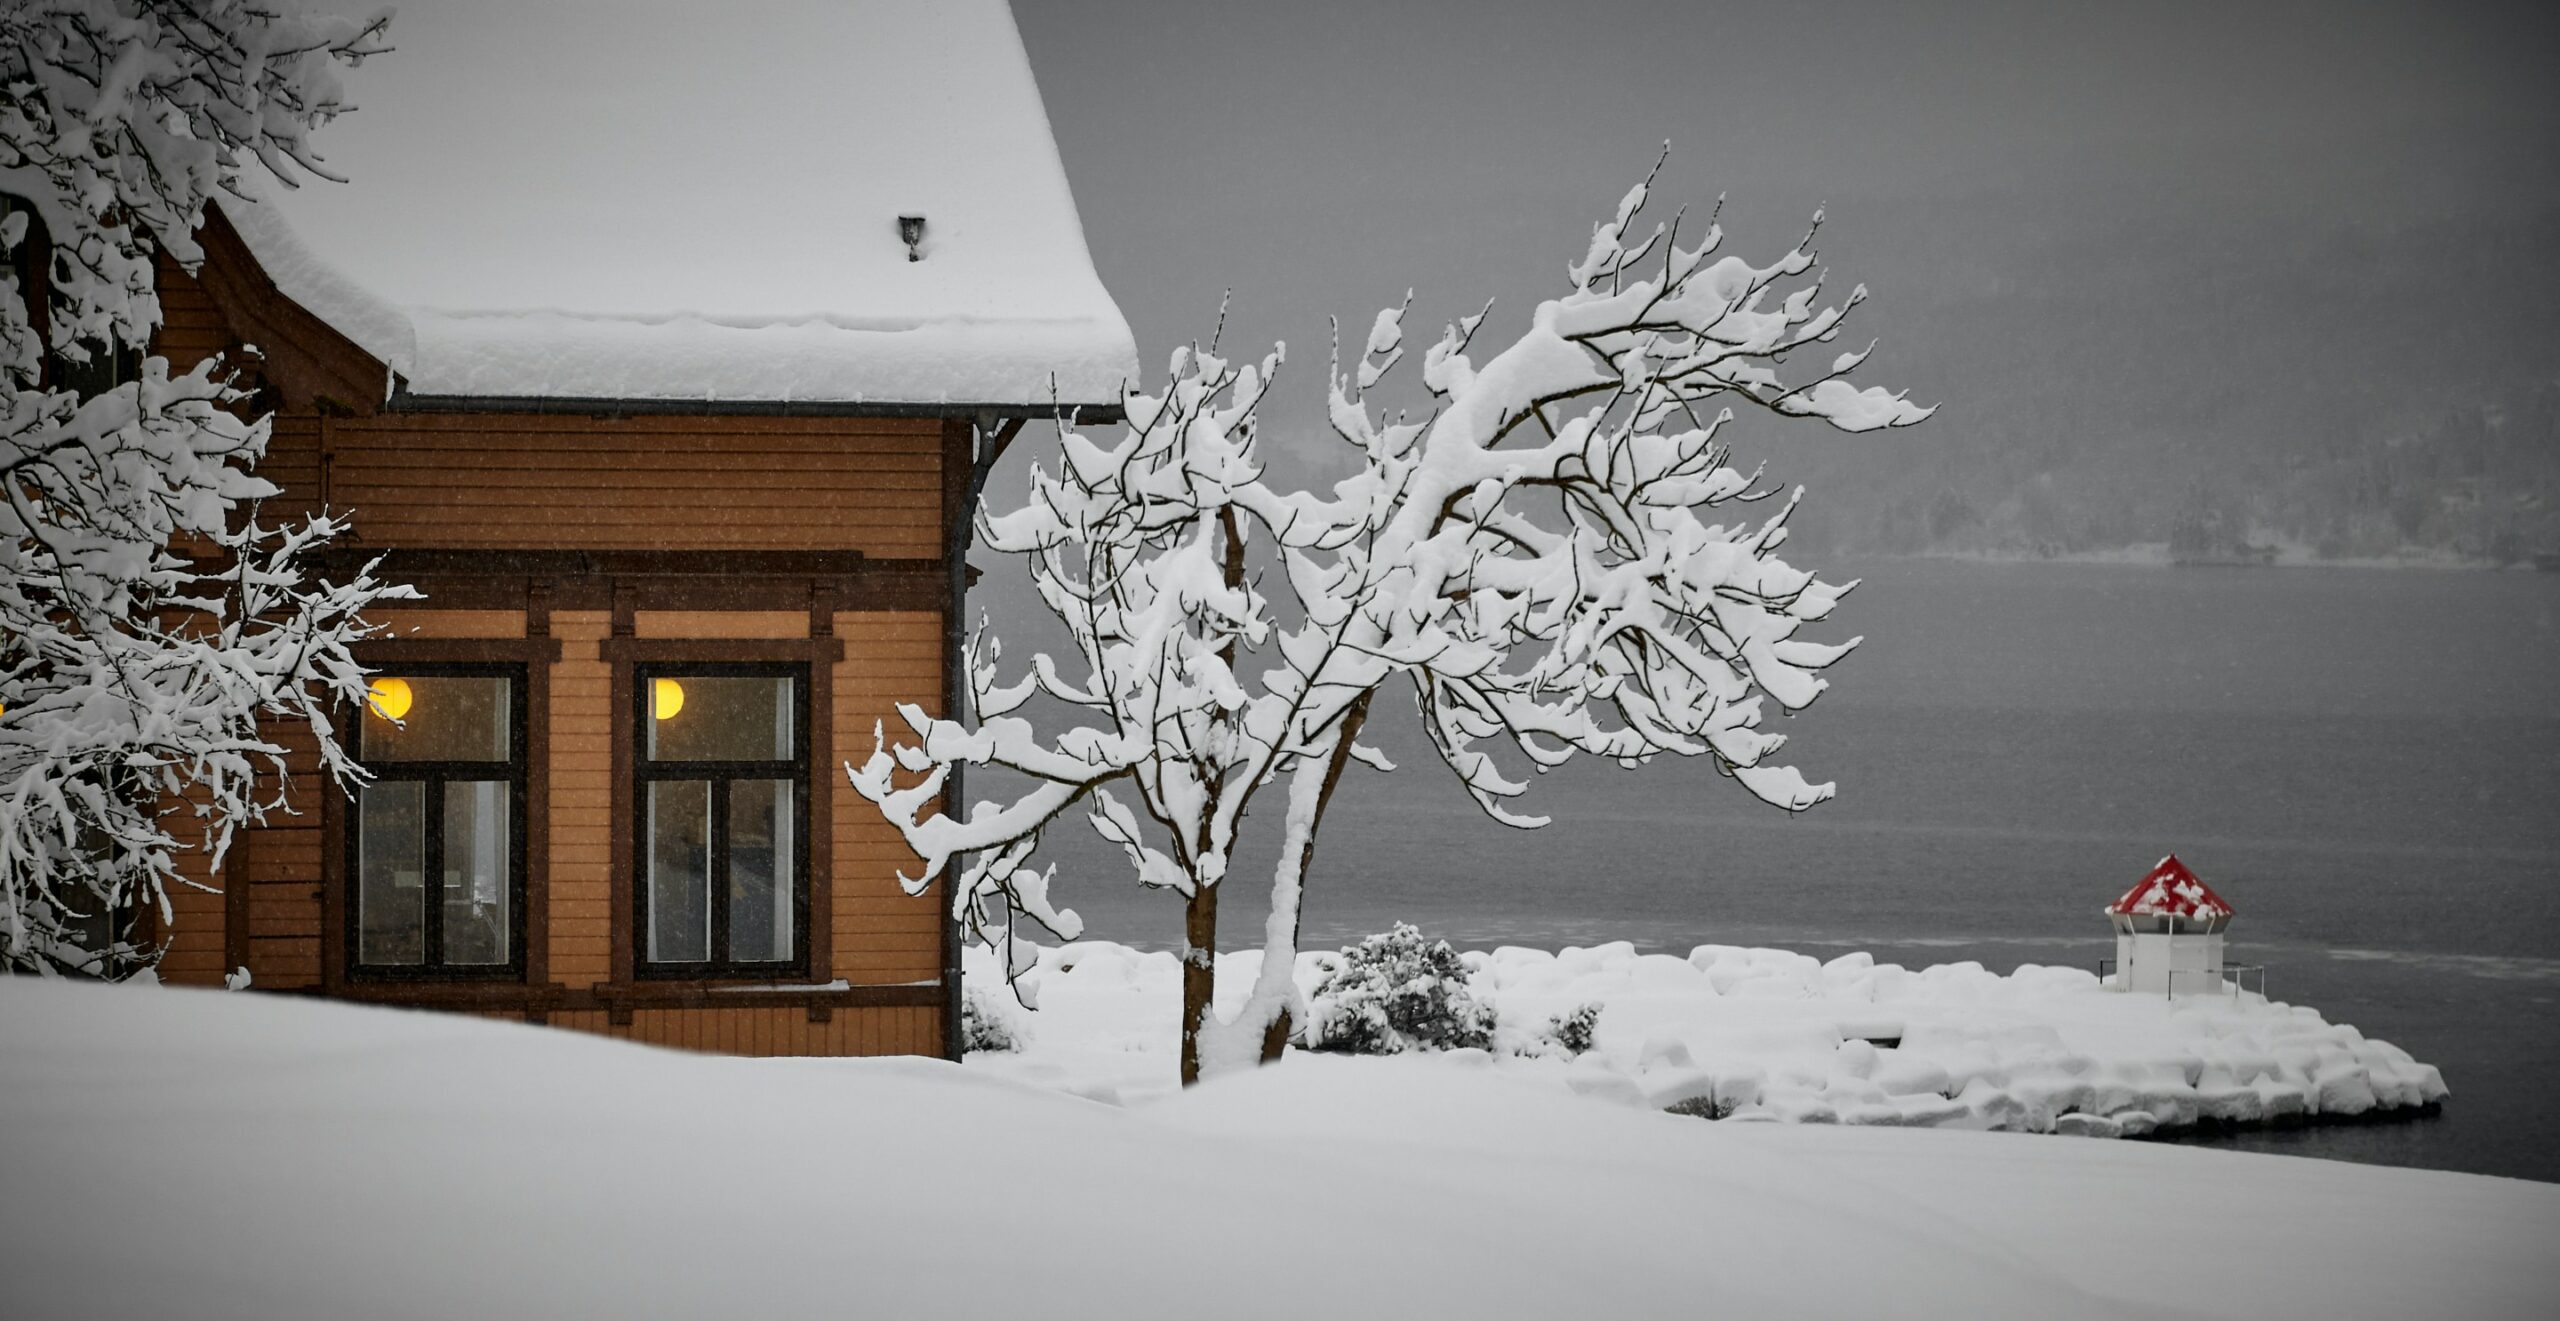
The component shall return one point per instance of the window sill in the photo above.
(821, 1000)
(400, 978)
(618, 1001)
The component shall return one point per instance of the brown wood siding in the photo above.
(771, 1031)
(309, 364)
(581, 800)
(280, 868)
(194, 929)
(545, 482)
(293, 463)
(882, 934)
(428, 622)
(192, 327)
(720, 624)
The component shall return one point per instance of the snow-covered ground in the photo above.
(208, 1155)
(1764, 1034)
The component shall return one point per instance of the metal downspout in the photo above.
(987, 442)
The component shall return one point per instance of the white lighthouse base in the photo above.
(2169, 962)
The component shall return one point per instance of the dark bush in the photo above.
(1395, 992)
(985, 1024)
(1577, 1031)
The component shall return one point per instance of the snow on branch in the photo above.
(150, 625)
(1128, 545)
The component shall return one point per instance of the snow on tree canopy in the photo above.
(693, 202)
(2170, 891)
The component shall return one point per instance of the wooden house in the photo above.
(664, 356)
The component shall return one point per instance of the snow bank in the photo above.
(203, 1154)
(680, 203)
(1772, 1035)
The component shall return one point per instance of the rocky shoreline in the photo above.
(1774, 1036)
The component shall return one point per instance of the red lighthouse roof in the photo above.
(2171, 890)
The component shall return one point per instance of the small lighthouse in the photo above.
(2169, 933)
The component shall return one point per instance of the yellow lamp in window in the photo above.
(666, 697)
(389, 698)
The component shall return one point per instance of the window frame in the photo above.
(123, 949)
(515, 771)
(110, 365)
(32, 263)
(645, 770)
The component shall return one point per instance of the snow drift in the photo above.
(217, 1155)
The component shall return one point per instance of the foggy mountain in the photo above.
(2351, 388)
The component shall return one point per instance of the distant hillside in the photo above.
(2351, 392)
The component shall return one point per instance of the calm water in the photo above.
(2366, 763)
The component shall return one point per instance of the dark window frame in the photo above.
(435, 774)
(646, 769)
(116, 946)
(109, 365)
(32, 262)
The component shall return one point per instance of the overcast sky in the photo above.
(1318, 158)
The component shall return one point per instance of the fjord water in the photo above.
(2365, 762)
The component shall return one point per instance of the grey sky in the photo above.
(1320, 157)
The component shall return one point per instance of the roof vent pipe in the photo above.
(911, 233)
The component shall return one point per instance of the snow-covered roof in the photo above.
(2171, 890)
(671, 201)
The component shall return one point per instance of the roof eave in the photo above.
(403, 400)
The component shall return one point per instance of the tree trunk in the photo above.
(1200, 916)
(1199, 973)
(1275, 1037)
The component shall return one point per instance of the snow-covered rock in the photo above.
(1757, 1033)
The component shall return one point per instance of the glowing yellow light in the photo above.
(666, 697)
(389, 698)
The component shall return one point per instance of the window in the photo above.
(22, 235)
(99, 925)
(721, 798)
(435, 842)
(101, 369)
(99, 929)
(98, 366)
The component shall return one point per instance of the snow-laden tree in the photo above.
(1555, 557)
(147, 619)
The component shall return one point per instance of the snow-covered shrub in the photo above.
(987, 1023)
(1394, 992)
(1700, 1107)
(1576, 1031)
(1564, 1036)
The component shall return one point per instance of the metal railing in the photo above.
(2232, 980)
